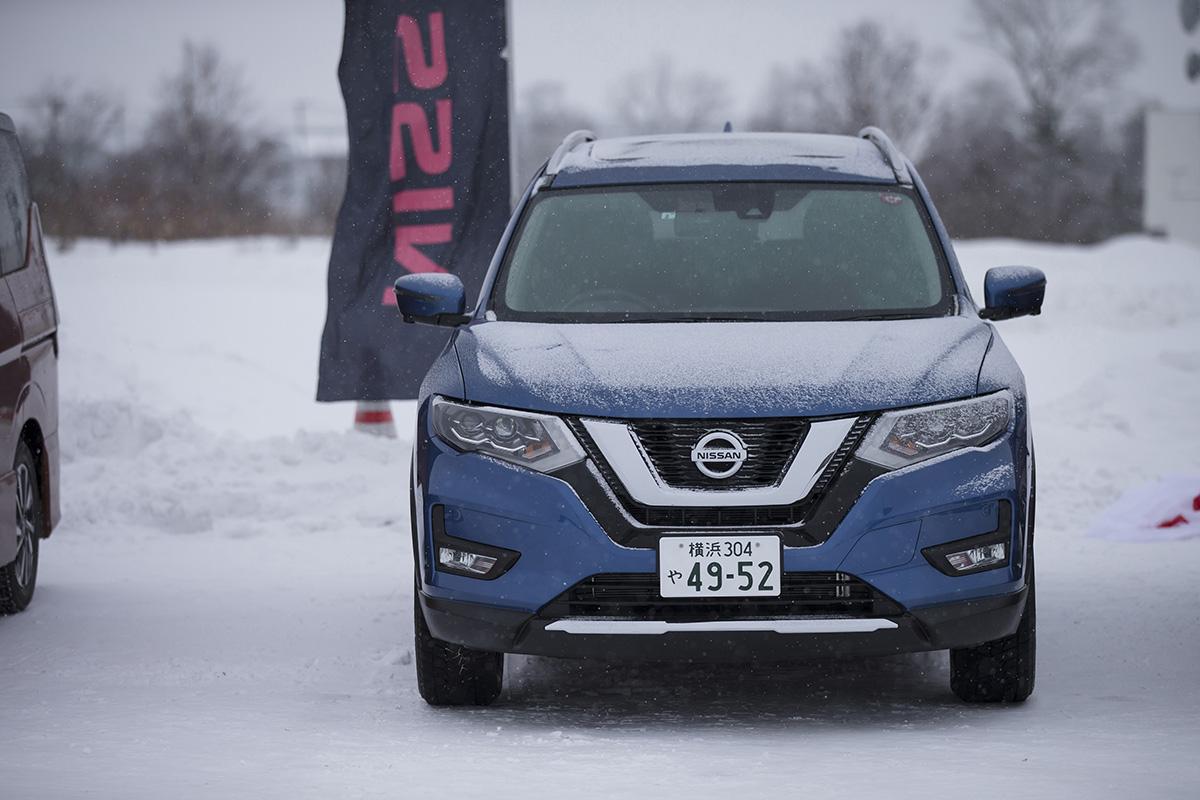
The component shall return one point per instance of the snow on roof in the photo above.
(795, 155)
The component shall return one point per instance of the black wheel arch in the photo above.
(31, 436)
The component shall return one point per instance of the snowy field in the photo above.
(225, 610)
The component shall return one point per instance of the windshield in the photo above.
(723, 251)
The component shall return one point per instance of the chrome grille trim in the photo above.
(620, 447)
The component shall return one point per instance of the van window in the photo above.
(14, 205)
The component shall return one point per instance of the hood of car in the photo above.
(721, 369)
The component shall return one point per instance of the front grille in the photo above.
(804, 594)
(770, 446)
(725, 516)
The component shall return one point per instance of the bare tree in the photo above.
(68, 136)
(978, 168)
(543, 116)
(875, 77)
(993, 181)
(322, 194)
(203, 168)
(661, 100)
(1066, 56)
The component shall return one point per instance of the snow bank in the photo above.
(188, 373)
(225, 330)
(1160, 511)
(131, 468)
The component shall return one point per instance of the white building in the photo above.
(1172, 201)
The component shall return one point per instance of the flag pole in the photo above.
(513, 187)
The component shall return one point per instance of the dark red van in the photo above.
(28, 381)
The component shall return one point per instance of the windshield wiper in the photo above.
(867, 317)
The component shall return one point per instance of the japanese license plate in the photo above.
(719, 566)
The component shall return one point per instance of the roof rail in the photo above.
(569, 143)
(891, 153)
(6, 123)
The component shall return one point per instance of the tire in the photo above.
(18, 579)
(1000, 671)
(452, 675)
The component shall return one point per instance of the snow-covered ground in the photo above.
(225, 610)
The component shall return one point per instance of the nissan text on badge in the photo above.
(723, 398)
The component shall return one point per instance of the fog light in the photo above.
(474, 563)
(463, 557)
(978, 557)
(979, 553)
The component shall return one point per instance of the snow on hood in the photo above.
(721, 369)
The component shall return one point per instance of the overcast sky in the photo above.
(288, 49)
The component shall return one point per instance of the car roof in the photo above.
(702, 157)
(6, 123)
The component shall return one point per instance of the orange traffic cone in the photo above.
(375, 418)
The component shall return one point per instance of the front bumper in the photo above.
(939, 627)
(878, 540)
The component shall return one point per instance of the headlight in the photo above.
(537, 441)
(900, 438)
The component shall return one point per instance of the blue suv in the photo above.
(723, 397)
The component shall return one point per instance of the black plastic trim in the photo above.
(504, 630)
(438, 320)
(635, 596)
(505, 559)
(972, 622)
(771, 445)
(936, 554)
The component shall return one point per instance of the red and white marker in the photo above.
(375, 417)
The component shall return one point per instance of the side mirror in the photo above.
(1012, 292)
(432, 298)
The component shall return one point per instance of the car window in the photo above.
(14, 204)
(742, 250)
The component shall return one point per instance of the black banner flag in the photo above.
(426, 90)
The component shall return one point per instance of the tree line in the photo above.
(1034, 150)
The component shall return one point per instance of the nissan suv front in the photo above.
(724, 398)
